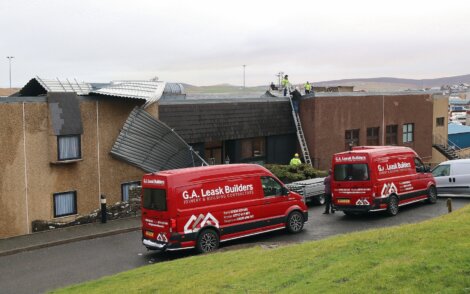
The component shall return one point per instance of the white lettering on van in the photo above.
(350, 158)
(398, 165)
(187, 196)
(203, 194)
(154, 182)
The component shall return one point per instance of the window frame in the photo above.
(54, 200)
(122, 189)
(374, 136)
(440, 121)
(407, 133)
(79, 147)
(355, 140)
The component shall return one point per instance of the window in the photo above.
(68, 147)
(391, 137)
(65, 203)
(351, 172)
(373, 136)
(154, 199)
(407, 133)
(351, 138)
(271, 187)
(213, 152)
(441, 170)
(439, 121)
(254, 147)
(126, 188)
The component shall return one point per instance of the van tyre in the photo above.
(392, 208)
(432, 195)
(295, 222)
(207, 241)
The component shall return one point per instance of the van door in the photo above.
(155, 215)
(443, 179)
(275, 203)
(422, 177)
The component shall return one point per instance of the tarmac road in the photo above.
(53, 267)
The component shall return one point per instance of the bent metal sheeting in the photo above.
(152, 146)
(151, 91)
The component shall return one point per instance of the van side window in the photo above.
(441, 170)
(351, 172)
(271, 187)
(419, 165)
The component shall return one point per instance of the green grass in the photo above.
(429, 257)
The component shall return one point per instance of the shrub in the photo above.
(288, 173)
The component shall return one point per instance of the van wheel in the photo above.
(319, 200)
(432, 195)
(295, 222)
(207, 241)
(392, 208)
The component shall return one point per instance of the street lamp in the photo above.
(244, 66)
(9, 61)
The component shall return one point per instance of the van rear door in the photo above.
(155, 214)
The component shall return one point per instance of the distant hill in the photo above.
(7, 92)
(367, 84)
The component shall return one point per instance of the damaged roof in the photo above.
(151, 91)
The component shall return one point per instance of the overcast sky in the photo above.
(207, 42)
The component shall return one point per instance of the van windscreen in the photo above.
(351, 172)
(154, 199)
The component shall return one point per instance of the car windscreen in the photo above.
(442, 170)
(154, 199)
(351, 172)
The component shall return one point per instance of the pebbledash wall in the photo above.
(29, 178)
(326, 118)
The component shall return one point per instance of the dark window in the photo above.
(213, 152)
(391, 137)
(351, 172)
(408, 130)
(253, 147)
(373, 136)
(440, 121)
(65, 203)
(351, 138)
(68, 147)
(126, 188)
(154, 199)
(271, 187)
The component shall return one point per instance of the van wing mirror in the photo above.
(427, 168)
(285, 191)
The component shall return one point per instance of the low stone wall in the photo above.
(115, 211)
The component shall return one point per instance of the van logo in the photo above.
(154, 182)
(195, 223)
(389, 189)
(162, 238)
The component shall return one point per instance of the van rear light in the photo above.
(172, 225)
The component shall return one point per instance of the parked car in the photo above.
(453, 178)
(200, 207)
(375, 178)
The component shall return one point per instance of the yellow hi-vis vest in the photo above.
(308, 87)
(285, 82)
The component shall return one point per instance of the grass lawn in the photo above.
(429, 257)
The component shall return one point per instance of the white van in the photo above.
(453, 178)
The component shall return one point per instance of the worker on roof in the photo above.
(285, 84)
(296, 96)
(296, 160)
(307, 87)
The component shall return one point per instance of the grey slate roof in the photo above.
(204, 120)
(151, 145)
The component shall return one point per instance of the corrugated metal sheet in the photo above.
(151, 145)
(174, 88)
(81, 88)
(151, 91)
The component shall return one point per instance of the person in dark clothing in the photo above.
(296, 99)
(327, 182)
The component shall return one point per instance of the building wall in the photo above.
(29, 180)
(326, 118)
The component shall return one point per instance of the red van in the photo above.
(202, 206)
(375, 178)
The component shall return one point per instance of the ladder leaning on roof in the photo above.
(300, 135)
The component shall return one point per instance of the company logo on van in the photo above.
(349, 158)
(195, 223)
(394, 166)
(389, 189)
(219, 192)
(154, 182)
